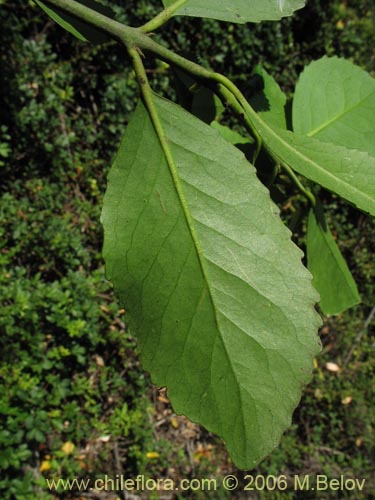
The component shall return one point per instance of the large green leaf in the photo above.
(80, 29)
(331, 275)
(334, 101)
(347, 172)
(238, 11)
(214, 287)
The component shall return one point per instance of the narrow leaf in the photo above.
(347, 172)
(238, 11)
(270, 100)
(334, 101)
(80, 29)
(331, 275)
(215, 289)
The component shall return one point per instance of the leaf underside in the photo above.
(231, 135)
(239, 11)
(334, 101)
(332, 278)
(216, 293)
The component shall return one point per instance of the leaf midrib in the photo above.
(337, 117)
(177, 182)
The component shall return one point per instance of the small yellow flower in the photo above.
(174, 422)
(347, 400)
(152, 454)
(340, 25)
(67, 448)
(45, 465)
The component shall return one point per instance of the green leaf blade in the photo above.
(231, 135)
(331, 275)
(334, 101)
(224, 319)
(78, 28)
(270, 101)
(239, 11)
(348, 172)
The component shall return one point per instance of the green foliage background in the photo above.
(68, 366)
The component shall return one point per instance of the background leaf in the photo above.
(331, 275)
(239, 11)
(347, 172)
(334, 101)
(217, 294)
(81, 30)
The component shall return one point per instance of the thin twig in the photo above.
(118, 465)
(329, 450)
(162, 17)
(358, 339)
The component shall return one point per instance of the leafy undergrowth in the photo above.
(74, 401)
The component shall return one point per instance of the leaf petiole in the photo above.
(306, 192)
(161, 18)
(228, 96)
